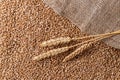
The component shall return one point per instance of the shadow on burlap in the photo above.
(25, 24)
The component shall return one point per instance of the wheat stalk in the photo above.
(55, 52)
(85, 45)
(98, 35)
(62, 40)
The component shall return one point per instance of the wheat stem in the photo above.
(56, 52)
(86, 45)
(98, 35)
(62, 40)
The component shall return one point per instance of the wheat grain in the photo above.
(51, 53)
(57, 41)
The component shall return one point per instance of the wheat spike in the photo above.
(51, 53)
(57, 41)
(62, 40)
(77, 51)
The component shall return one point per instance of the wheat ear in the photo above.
(77, 51)
(62, 40)
(57, 41)
(51, 53)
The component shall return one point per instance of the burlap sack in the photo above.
(91, 16)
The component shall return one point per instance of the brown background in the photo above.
(24, 24)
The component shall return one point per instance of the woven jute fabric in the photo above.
(91, 16)
(24, 24)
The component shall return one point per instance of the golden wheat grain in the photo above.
(51, 53)
(57, 41)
